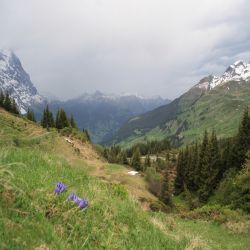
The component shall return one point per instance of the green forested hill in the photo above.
(185, 119)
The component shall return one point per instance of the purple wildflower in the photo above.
(77, 200)
(72, 196)
(83, 203)
(60, 187)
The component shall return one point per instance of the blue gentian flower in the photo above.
(60, 187)
(72, 196)
(82, 203)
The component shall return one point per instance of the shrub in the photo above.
(119, 190)
(234, 190)
(157, 206)
(216, 213)
(154, 180)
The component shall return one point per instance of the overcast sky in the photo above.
(148, 47)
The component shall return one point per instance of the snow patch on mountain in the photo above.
(239, 71)
(15, 81)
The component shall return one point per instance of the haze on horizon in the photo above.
(146, 47)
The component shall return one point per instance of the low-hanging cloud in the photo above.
(150, 47)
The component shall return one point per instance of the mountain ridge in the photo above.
(103, 114)
(194, 110)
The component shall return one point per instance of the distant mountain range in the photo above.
(104, 114)
(215, 102)
(100, 113)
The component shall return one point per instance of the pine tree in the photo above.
(147, 162)
(61, 119)
(47, 118)
(86, 132)
(191, 170)
(30, 115)
(51, 121)
(195, 163)
(203, 169)
(44, 120)
(214, 164)
(242, 141)
(2, 97)
(106, 153)
(14, 108)
(179, 180)
(136, 160)
(226, 161)
(7, 102)
(72, 122)
(165, 195)
(122, 158)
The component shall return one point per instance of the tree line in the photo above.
(133, 155)
(60, 121)
(8, 103)
(150, 147)
(202, 166)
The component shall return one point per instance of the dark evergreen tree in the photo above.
(136, 160)
(214, 164)
(47, 118)
(203, 169)
(242, 141)
(226, 158)
(7, 102)
(179, 180)
(72, 122)
(14, 108)
(122, 158)
(86, 132)
(2, 97)
(147, 162)
(193, 162)
(165, 195)
(30, 115)
(61, 119)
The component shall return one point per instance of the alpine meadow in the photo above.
(131, 129)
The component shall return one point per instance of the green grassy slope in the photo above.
(186, 118)
(32, 217)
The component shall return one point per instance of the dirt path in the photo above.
(113, 173)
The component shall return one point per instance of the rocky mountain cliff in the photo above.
(15, 81)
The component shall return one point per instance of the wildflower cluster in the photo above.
(82, 203)
(60, 188)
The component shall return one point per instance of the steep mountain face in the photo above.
(215, 102)
(104, 114)
(239, 71)
(15, 81)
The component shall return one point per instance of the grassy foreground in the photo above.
(32, 217)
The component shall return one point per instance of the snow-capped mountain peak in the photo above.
(15, 81)
(239, 71)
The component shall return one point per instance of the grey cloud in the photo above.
(146, 46)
